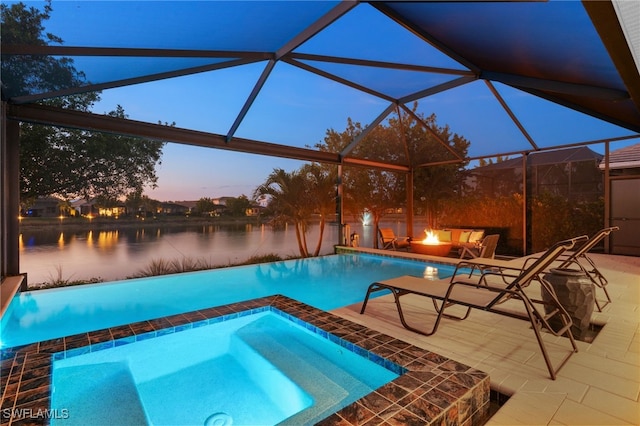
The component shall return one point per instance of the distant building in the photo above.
(218, 210)
(254, 210)
(572, 173)
(189, 205)
(94, 209)
(84, 207)
(222, 201)
(44, 207)
(170, 208)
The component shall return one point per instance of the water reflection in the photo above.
(277, 271)
(118, 254)
(430, 273)
(107, 240)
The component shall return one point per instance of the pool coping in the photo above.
(431, 389)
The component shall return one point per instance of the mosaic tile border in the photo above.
(432, 389)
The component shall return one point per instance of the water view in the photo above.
(117, 254)
(54, 252)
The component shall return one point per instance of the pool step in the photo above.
(295, 355)
(106, 392)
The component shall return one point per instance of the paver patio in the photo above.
(600, 385)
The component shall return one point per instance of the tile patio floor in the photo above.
(599, 385)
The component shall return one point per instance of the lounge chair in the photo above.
(487, 294)
(580, 259)
(389, 240)
(485, 250)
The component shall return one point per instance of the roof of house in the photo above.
(581, 153)
(171, 204)
(190, 204)
(624, 158)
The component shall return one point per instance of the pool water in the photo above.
(326, 282)
(254, 370)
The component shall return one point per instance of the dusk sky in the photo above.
(296, 107)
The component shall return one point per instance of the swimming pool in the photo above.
(431, 389)
(260, 368)
(326, 282)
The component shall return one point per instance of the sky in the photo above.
(294, 107)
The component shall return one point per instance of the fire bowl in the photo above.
(439, 249)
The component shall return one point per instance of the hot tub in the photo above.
(257, 369)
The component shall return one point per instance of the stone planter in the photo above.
(576, 293)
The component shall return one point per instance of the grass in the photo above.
(186, 264)
(58, 280)
(175, 266)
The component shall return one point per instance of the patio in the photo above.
(600, 385)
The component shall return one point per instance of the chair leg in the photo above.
(536, 323)
(396, 295)
(466, 251)
(371, 289)
(599, 281)
(437, 308)
(606, 302)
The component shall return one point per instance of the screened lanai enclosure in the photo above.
(405, 92)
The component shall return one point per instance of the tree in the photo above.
(368, 190)
(141, 205)
(297, 196)
(204, 206)
(238, 206)
(402, 140)
(435, 183)
(322, 181)
(75, 163)
(22, 25)
(499, 159)
(68, 163)
(289, 201)
(373, 190)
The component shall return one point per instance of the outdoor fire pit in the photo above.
(430, 245)
(432, 249)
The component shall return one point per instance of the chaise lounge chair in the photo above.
(577, 258)
(389, 240)
(580, 259)
(487, 294)
(485, 250)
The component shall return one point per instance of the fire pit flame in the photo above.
(431, 245)
(431, 238)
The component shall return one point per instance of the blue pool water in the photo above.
(254, 370)
(326, 282)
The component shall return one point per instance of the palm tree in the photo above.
(289, 200)
(64, 207)
(322, 185)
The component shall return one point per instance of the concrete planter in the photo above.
(576, 293)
